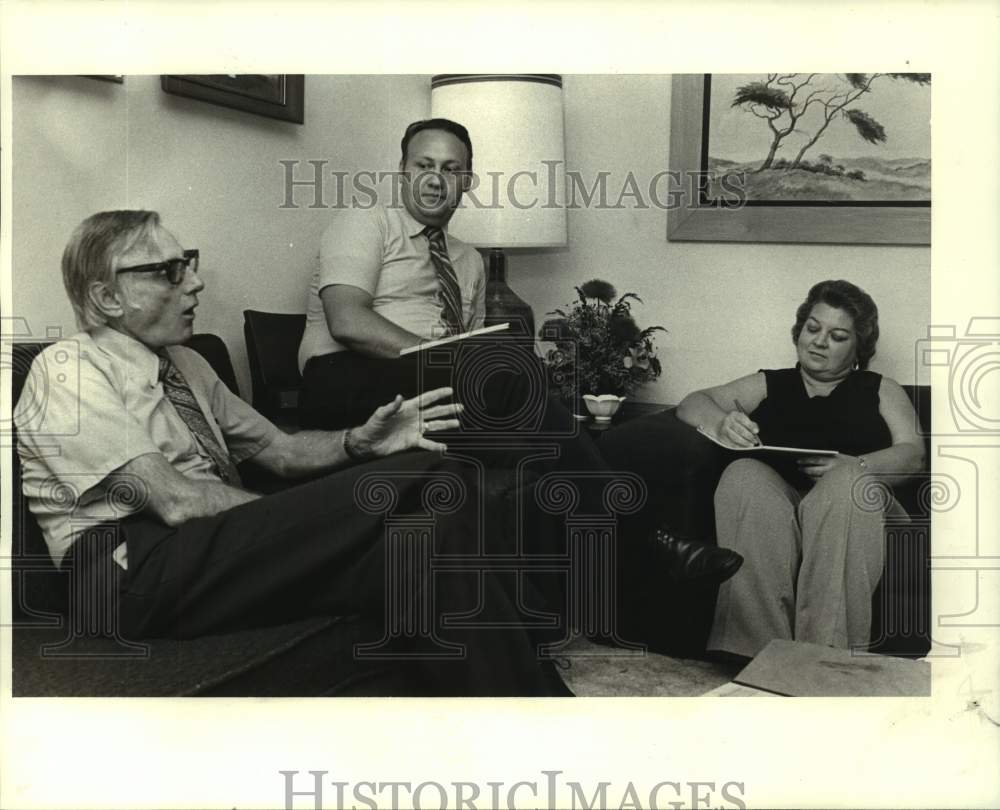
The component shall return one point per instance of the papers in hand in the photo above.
(431, 344)
(767, 448)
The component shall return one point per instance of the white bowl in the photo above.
(603, 406)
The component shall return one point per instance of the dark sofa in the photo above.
(53, 656)
(677, 621)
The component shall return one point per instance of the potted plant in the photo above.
(599, 349)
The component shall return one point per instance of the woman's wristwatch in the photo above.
(862, 462)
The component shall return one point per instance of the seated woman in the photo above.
(813, 549)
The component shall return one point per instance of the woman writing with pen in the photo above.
(813, 549)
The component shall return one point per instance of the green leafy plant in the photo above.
(599, 349)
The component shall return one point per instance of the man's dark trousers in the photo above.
(321, 549)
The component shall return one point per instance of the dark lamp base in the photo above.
(502, 303)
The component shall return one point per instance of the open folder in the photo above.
(768, 448)
(432, 344)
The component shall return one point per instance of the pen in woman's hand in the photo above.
(756, 439)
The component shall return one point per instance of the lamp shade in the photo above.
(515, 122)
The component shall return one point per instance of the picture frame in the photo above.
(694, 219)
(277, 95)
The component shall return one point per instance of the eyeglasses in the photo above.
(172, 269)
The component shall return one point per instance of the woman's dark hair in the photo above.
(852, 300)
(445, 124)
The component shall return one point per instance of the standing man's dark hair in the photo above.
(445, 124)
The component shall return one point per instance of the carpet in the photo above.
(592, 670)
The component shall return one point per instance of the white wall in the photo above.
(728, 308)
(81, 146)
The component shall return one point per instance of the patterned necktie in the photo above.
(179, 393)
(448, 291)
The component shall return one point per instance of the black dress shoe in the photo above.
(688, 561)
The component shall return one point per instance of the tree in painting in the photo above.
(785, 98)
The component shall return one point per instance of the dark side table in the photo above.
(629, 410)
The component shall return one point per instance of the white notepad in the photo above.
(768, 448)
(431, 344)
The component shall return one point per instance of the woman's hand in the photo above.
(815, 467)
(402, 423)
(739, 430)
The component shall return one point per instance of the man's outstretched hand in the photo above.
(403, 423)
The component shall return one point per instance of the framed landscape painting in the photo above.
(274, 95)
(793, 157)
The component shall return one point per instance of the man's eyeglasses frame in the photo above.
(173, 269)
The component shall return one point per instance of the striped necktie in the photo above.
(179, 393)
(448, 291)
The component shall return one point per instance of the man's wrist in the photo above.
(354, 449)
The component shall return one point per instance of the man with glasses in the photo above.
(147, 432)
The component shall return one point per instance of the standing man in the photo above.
(197, 553)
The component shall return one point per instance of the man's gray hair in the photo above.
(93, 253)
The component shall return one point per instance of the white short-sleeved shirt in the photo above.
(91, 404)
(382, 250)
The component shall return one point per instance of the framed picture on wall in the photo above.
(792, 157)
(274, 95)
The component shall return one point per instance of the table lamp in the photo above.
(515, 122)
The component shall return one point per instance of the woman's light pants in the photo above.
(812, 560)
